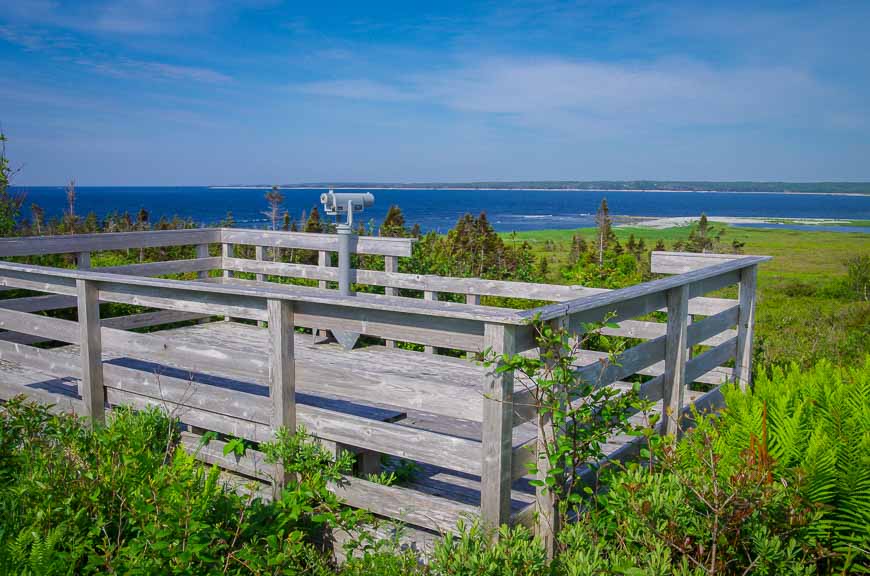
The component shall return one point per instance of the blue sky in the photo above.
(163, 92)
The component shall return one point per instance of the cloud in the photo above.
(547, 92)
(141, 69)
(357, 89)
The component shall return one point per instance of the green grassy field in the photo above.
(805, 311)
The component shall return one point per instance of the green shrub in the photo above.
(816, 426)
(123, 499)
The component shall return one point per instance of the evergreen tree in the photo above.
(604, 236)
(313, 223)
(394, 223)
(660, 246)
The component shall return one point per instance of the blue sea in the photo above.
(508, 210)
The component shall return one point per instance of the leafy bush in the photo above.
(123, 499)
(816, 426)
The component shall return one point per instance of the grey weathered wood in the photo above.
(681, 262)
(323, 262)
(676, 347)
(202, 252)
(83, 260)
(745, 324)
(547, 515)
(92, 393)
(248, 416)
(35, 245)
(497, 433)
(200, 265)
(310, 241)
(391, 265)
(259, 254)
(282, 371)
(58, 281)
(227, 251)
(642, 296)
(432, 297)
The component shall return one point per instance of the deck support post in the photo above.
(259, 255)
(282, 373)
(546, 512)
(391, 264)
(473, 299)
(83, 260)
(497, 433)
(90, 341)
(202, 252)
(745, 325)
(676, 351)
(432, 296)
(227, 251)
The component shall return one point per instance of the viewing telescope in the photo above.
(346, 203)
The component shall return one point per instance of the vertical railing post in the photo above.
(282, 372)
(391, 264)
(432, 296)
(227, 251)
(545, 498)
(259, 255)
(202, 252)
(497, 433)
(92, 392)
(323, 261)
(676, 350)
(475, 300)
(745, 325)
(83, 260)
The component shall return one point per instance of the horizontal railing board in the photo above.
(681, 262)
(246, 415)
(38, 245)
(164, 267)
(310, 241)
(394, 502)
(46, 279)
(423, 282)
(642, 298)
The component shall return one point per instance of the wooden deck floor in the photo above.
(409, 388)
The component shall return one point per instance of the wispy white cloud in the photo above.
(141, 69)
(547, 92)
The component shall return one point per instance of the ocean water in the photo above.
(508, 210)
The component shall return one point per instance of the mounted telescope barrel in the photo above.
(345, 204)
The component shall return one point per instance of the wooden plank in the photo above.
(282, 372)
(639, 298)
(227, 252)
(497, 432)
(323, 262)
(745, 326)
(36, 245)
(249, 416)
(432, 297)
(676, 347)
(202, 252)
(710, 359)
(310, 241)
(91, 389)
(165, 267)
(682, 262)
(391, 266)
(83, 260)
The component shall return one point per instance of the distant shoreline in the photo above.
(653, 190)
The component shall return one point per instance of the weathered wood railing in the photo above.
(498, 407)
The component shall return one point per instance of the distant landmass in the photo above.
(623, 185)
